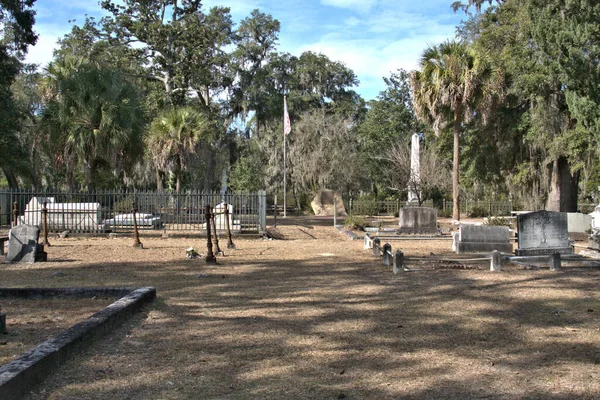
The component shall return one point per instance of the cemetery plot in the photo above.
(317, 316)
(30, 322)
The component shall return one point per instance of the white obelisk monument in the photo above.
(415, 177)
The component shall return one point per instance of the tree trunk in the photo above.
(89, 169)
(210, 170)
(564, 187)
(456, 161)
(10, 178)
(159, 181)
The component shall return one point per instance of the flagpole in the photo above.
(284, 159)
(284, 176)
(287, 128)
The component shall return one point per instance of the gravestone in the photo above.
(415, 220)
(482, 239)
(543, 233)
(23, 245)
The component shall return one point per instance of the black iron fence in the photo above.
(110, 211)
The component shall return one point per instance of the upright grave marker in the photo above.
(543, 233)
(418, 220)
(482, 239)
(23, 245)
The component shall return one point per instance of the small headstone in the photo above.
(543, 233)
(418, 220)
(398, 262)
(376, 248)
(387, 254)
(495, 263)
(23, 245)
(554, 262)
(482, 239)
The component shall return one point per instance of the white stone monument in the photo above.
(415, 177)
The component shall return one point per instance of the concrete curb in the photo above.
(32, 367)
(351, 235)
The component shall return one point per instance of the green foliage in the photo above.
(248, 172)
(478, 212)
(93, 116)
(390, 120)
(499, 221)
(355, 222)
(445, 213)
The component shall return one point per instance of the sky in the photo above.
(372, 37)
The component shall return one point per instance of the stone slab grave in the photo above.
(543, 233)
(418, 220)
(482, 239)
(23, 245)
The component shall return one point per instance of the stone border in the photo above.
(32, 367)
(351, 235)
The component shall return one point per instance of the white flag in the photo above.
(287, 125)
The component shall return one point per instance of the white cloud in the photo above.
(355, 5)
(48, 35)
(352, 21)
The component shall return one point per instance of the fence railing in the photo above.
(489, 208)
(378, 207)
(104, 211)
(391, 207)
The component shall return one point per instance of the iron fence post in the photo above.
(136, 234)
(45, 224)
(210, 257)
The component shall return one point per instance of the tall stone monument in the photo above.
(415, 174)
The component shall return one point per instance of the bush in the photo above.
(499, 221)
(444, 213)
(478, 212)
(354, 222)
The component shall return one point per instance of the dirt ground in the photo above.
(317, 317)
(30, 322)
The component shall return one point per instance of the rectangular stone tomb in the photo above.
(482, 239)
(417, 220)
(543, 233)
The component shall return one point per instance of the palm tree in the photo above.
(452, 84)
(173, 136)
(93, 115)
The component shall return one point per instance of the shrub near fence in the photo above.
(101, 211)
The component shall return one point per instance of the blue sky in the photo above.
(372, 37)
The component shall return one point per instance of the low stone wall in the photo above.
(31, 368)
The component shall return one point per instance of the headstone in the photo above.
(376, 248)
(23, 245)
(322, 203)
(482, 239)
(415, 177)
(415, 220)
(543, 233)
(554, 262)
(387, 254)
(495, 263)
(398, 262)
